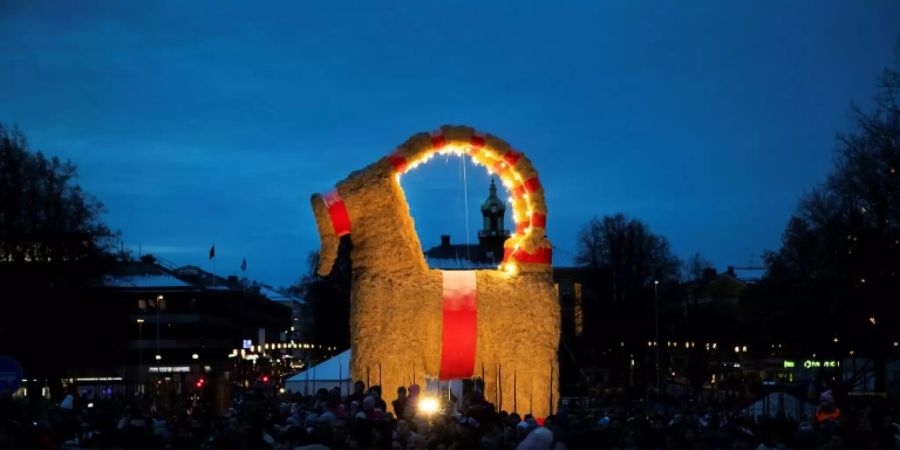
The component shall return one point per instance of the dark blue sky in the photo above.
(210, 123)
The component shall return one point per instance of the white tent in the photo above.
(328, 374)
(771, 404)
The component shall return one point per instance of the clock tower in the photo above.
(492, 234)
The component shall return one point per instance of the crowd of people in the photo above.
(364, 420)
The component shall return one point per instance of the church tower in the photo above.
(492, 234)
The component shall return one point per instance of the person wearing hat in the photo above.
(827, 412)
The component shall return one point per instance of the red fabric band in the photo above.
(477, 140)
(543, 255)
(437, 139)
(512, 157)
(532, 184)
(460, 327)
(539, 220)
(398, 162)
(337, 211)
(518, 192)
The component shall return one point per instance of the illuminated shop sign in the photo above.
(813, 364)
(170, 369)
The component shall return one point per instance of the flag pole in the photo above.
(212, 256)
(244, 270)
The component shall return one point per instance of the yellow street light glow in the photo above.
(428, 405)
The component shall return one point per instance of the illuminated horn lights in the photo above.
(527, 248)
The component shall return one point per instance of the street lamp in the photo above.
(140, 325)
(159, 300)
(656, 327)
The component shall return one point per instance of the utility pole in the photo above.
(159, 300)
(140, 376)
(656, 320)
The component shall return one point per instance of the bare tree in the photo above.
(840, 252)
(44, 214)
(627, 247)
(695, 266)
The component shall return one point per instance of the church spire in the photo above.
(492, 234)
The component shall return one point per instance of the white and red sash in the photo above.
(460, 324)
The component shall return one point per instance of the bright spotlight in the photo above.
(428, 405)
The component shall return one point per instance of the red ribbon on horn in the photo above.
(543, 255)
(398, 161)
(337, 211)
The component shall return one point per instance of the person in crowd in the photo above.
(400, 403)
(538, 439)
(358, 393)
(287, 422)
(412, 401)
(827, 410)
(375, 391)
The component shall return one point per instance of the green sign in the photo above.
(813, 364)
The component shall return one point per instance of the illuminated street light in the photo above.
(140, 320)
(835, 340)
(872, 320)
(195, 356)
(159, 357)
